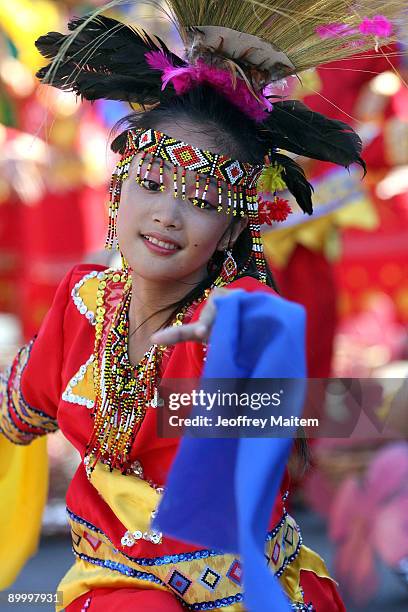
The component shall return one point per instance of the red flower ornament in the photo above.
(270, 211)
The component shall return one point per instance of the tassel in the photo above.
(270, 211)
(229, 199)
(175, 186)
(139, 167)
(161, 170)
(197, 190)
(219, 189)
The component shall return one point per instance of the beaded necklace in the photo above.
(123, 392)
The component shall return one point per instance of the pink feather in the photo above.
(158, 60)
(377, 26)
(185, 77)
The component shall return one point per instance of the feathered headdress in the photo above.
(239, 47)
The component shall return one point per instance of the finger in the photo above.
(181, 333)
(207, 315)
(209, 311)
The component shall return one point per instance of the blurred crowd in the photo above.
(347, 265)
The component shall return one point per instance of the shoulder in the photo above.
(247, 283)
(83, 286)
(250, 284)
(85, 274)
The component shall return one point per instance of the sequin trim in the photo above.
(79, 302)
(127, 571)
(272, 534)
(131, 537)
(292, 557)
(303, 607)
(189, 575)
(195, 555)
(147, 561)
(73, 398)
(119, 567)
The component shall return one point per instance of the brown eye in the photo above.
(150, 185)
(204, 204)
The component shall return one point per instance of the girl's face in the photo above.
(164, 238)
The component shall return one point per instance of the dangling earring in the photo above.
(229, 267)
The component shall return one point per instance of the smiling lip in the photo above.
(159, 244)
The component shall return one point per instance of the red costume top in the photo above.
(50, 386)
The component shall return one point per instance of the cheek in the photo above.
(125, 220)
(124, 228)
(205, 232)
(128, 213)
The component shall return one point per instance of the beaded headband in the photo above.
(237, 180)
(179, 153)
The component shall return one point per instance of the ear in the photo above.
(231, 234)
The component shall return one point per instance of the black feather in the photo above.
(106, 59)
(296, 181)
(294, 127)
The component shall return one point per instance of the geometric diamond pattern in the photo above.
(187, 157)
(179, 582)
(209, 578)
(76, 538)
(289, 535)
(276, 553)
(192, 158)
(146, 139)
(94, 542)
(234, 171)
(235, 572)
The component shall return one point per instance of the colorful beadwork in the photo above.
(184, 155)
(178, 582)
(123, 393)
(229, 267)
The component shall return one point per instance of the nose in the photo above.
(166, 211)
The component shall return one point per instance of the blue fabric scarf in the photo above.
(220, 492)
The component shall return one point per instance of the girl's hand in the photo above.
(199, 331)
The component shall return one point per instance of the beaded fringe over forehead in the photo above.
(192, 158)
